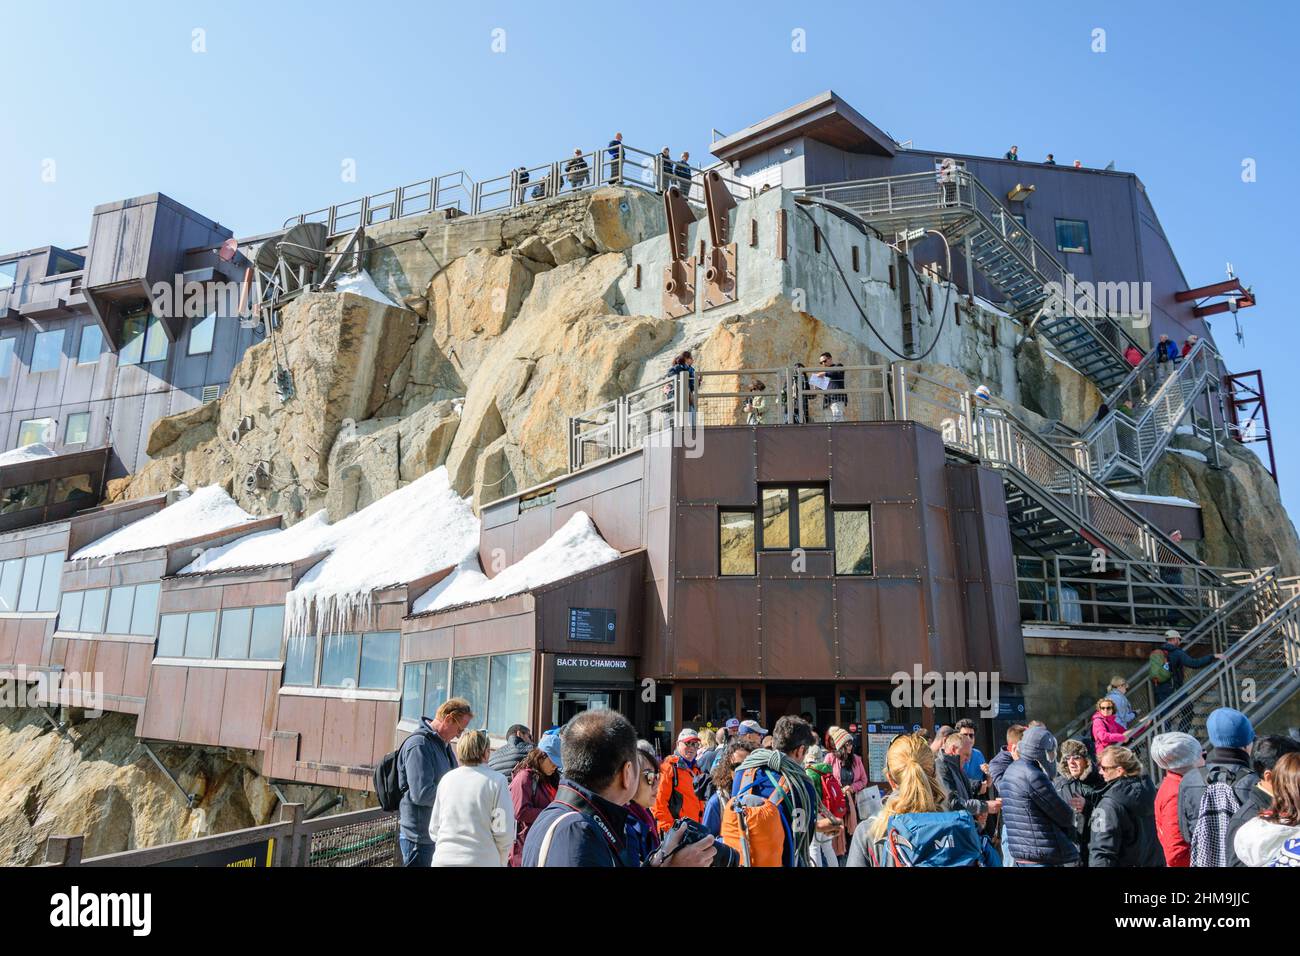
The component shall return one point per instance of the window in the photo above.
(300, 660)
(379, 653)
(31, 583)
(268, 630)
(366, 661)
(8, 274)
(187, 635)
(32, 431)
(236, 624)
(6, 356)
(853, 541)
(171, 635)
(424, 687)
(1072, 236)
(201, 333)
(736, 542)
(339, 663)
(804, 526)
(20, 497)
(47, 351)
(509, 678)
(132, 609)
(469, 679)
(77, 429)
(143, 339)
(234, 634)
(71, 488)
(92, 343)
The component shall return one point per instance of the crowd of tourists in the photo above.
(591, 793)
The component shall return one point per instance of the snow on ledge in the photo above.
(1158, 499)
(277, 546)
(1190, 453)
(575, 548)
(206, 511)
(361, 283)
(32, 452)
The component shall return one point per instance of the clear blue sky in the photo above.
(257, 127)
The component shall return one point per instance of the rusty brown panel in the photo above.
(560, 514)
(425, 645)
(724, 471)
(110, 661)
(164, 704)
(798, 632)
(898, 542)
(678, 286)
(592, 481)
(8, 641)
(387, 713)
(255, 593)
(616, 586)
(969, 544)
(619, 517)
(981, 641)
(720, 276)
(993, 496)
(205, 691)
(777, 565)
(349, 731)
(1009, 636)
(241, 710)
(191, 599)
(950, 628)
(715, 629)
(283, 755)
(12, 548)
(903, 628)
(304, 716)
(931, 464)
(78, 656)
(793, 454)
(940, 547)
(654, 647)
(962, 492)
(136, 570)
(31, 643)
(532, 529)
(872, 463)
(490, 540)
(495, 635)
(857, 616)
(58, 650)
(696, 544)
(657, 536)
(139, 661)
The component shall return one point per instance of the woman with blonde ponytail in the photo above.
(910, 772)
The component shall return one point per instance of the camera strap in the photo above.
(574, 800)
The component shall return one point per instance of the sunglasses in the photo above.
(650, 776)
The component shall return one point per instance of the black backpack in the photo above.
(387, 788)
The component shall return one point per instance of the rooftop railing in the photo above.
(459, 195)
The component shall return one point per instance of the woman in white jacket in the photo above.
(473, 822)
(1260, 841)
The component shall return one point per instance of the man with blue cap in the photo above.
(1209, 796)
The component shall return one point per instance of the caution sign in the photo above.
(249, 855)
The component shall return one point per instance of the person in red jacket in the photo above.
(1106, 729)
(1175, 753)
(532, 788)
(676, 797)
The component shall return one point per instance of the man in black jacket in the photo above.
(1228, 760)
(424, 758)
(519, 740)
(1264, 755)
(1038, 821)
(1122, 831)
(949, 765)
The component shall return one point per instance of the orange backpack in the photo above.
(756, 832)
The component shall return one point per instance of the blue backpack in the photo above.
(934, 839)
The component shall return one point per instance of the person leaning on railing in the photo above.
(576, 170)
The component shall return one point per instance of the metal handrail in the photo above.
(625, 166)
(1275, 640)
(1217, 628)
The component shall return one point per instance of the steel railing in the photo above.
(1238, 614)
(460, 195)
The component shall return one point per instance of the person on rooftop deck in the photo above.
(1013, 153)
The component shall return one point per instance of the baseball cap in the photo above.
(751, 727)
(687, 734)
(732, 724)
(550, 745)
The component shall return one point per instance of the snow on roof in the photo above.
(25, 453)
(277, 546)
(205, 511)
(360, 283)
(576, 547)
(1158, 499)
(407, 534)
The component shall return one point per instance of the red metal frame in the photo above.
(1245, 298)
(1245, 403)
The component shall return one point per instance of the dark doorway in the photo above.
(817, 700)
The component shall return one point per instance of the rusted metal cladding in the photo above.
(616, 587)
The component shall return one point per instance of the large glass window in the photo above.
(853, 541)
(171, 635)
(268, 630)
(47, 351)
(339, 662)
(424, 688)
(78, 429)
(379, 654)
(300, 660)
(70, 610)
(92, 343)
(20, 497)
(51, 581)
(32, 431)
(8, 274)
(803, 526)
(776, 517)
(812, 517)
(92, 610)
(469, 679)
(72, 487)
(1072, 236)
(201, 334)
(11, 579)
(510, 675)
(736, 542)
(143, 339)
(200, 631)
(236, 625)
(119, 610)
(144, 610)
(31, 583)
(6, 356)
(132, 609)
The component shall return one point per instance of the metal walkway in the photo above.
(1004, 252)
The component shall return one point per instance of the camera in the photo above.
(695, 832)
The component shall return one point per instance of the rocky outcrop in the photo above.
(1052, 388)
(94, 779)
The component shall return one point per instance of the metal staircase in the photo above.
(1004, 252)
(1256, 675)
(1237, 616)
(1145, 413)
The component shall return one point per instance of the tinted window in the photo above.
(413, 691)
(508, 700)
(235, 625)
(6, 356)
(199, 633)
(11, 576)
(853, 542)
(30, 595)
(268, 630)
(1072, 236)
(70, 611)
(201, 333)
(812, 518)
(155, 341)
(469, 679)
(78, 428)
(300, 660)
(51, 581)
(92, 610)
(736, 543)
(145, 611)
(92, 343)
(34, 430)
(132, 348)
(171, 635)
(435, 686)
(119, 610)
(776, 518)
(339, 661)
(47, 351)
(379, 660)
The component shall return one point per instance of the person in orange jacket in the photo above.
(676, 797)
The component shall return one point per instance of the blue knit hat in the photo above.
(1229, 728)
